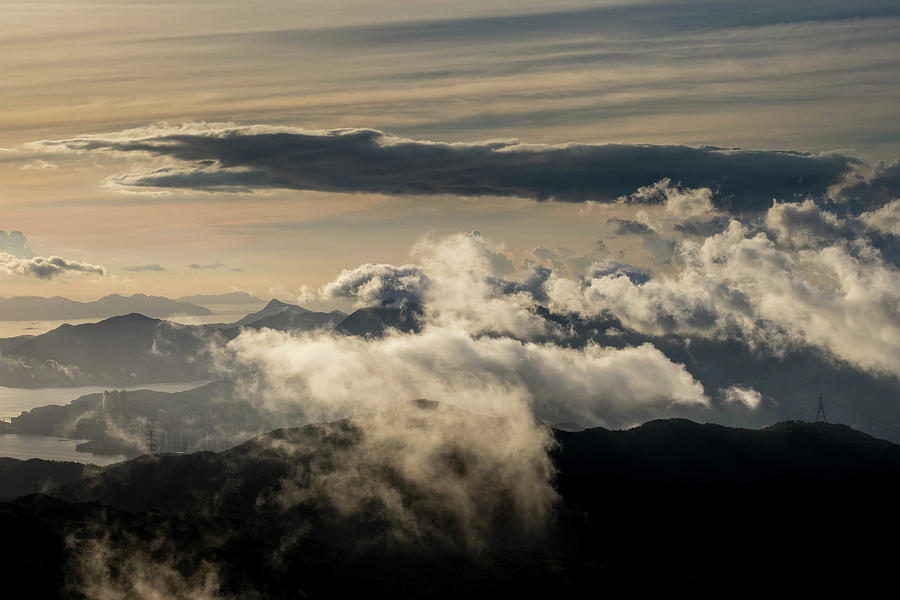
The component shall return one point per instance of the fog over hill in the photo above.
(442, 326)
(385, 502)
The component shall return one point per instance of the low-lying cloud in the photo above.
(333, 376)
(141, 268)
(46, 267)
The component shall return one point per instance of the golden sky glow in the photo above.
(449, 71)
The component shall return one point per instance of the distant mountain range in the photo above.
(288, 317)
(36, 308)
(128, 348)
(136, 349)
(670, 506)
(229, 298)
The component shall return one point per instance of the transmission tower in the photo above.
(820, 412)
(151, 441)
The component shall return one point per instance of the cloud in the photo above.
(212, 266)
(46, 268)
(679, 201)
(742, 396)
(107, 561)
(482, 347)
(39, 165)
(872, 187)
(148, 267)
(15, 243)
(805, 225)
(226, 157)
(435, 474)
(494, 364)
(630, 227)
(379, 285)
(823, 292)
(658, 246)
(886, 219)
(330, 376)
(566, 261)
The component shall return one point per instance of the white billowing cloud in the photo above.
(466, 293)
(436, 474)
(886, 219)
(332, 375)
(46, 267)
(741, 283)
(742, 396)
(455, 280)
(805, 225)
(681, 202)
(379, 285)
(477, 458)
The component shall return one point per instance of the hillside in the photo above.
(375, 321)
(670, 505)
(121, 350)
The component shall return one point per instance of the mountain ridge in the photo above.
(58, 308)
(646, 508)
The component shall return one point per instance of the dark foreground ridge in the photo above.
(668, 506)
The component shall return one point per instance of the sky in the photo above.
(83, 78)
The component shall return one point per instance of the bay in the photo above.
(13, 401)
(24, 447)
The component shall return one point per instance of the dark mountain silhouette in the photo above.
(294, 321)
(675, 452)
(832, 431)
(669, 506)
(27, 308)
(229, 298)
(7, 344)
(273, 308)
(289, 317)
(121, 350)
(21, 477)
(374, 321)
(136, 349)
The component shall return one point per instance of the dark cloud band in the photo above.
(230, 158)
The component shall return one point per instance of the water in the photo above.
(24, 447)
(17, 328)
(14, 401)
